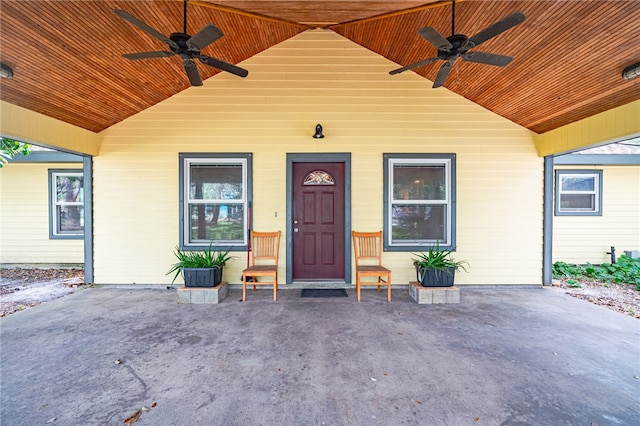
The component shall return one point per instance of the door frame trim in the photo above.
(319, 158)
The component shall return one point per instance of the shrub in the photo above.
(625, 271)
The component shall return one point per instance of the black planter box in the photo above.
(435, 277)
(202, 277)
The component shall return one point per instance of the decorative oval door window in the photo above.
(318, 177)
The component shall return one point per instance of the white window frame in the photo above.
(54, 219)
(188, 160)
(596, 192)
(446, 160)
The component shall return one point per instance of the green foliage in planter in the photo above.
(198, 259)
(435, 258)
(625, 271)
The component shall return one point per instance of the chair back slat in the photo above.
(265, 246)
(367, 246)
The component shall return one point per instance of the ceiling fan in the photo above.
(459, 46)
(186, 46)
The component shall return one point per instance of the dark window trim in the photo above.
(386, 199)
(558, 173)
(182, 157)
(52, 210)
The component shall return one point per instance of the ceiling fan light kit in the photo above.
(183, 45)
(5, 71)
(459, 46)
(631, 72)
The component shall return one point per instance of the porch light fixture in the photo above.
(631, 72)
(318, 134)
(5, 71)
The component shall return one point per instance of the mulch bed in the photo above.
(24, 288)
(31, 275)
(623, 298)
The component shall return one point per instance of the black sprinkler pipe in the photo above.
(613, 254)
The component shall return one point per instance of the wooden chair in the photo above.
(368, 252)
(264, 248)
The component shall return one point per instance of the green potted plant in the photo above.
(436, 268)
(200, 268)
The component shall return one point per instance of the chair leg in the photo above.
(358, 286)
(275, 288)
(244, 287)
(389, 288)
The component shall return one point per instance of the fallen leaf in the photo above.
(418, 401)
(117, 361)
(477, 419)
(51, 420)
(133, 418)
(144, 408)
(154, 405)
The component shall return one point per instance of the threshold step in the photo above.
(317, 284)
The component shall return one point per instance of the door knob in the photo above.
(295, 229)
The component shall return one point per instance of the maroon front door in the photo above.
(318, 221)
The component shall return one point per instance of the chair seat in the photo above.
(372, 269)
(257, 269)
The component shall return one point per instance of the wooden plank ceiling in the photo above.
(568, 55)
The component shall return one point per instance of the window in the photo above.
(419, 200)
(578, 192)
(66, 200)
(215, 194)
(318, 177)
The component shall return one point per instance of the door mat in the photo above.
(323, 292)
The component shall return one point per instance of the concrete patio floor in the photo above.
(501, 356)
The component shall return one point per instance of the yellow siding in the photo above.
(29, 126)
(581, 239)
(318, 77)
(24, 220)
(609, 126)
